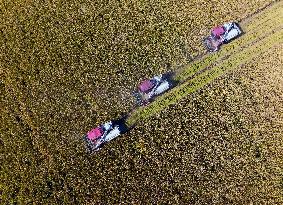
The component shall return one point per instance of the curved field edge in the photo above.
(208, 76)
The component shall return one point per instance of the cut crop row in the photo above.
(252, 31)
(206, 77)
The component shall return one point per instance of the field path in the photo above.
(261, 32)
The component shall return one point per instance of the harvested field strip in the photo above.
(229, 50)
(256, 27)
(258, 30)
(262, 24)
(264, 16)
(206, 77)
(262, 19)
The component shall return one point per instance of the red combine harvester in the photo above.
(220, 35)
(149, 89)
(102, 134)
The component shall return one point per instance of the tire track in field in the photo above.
(252, 31)
(221, 59)
(260, 44)
(203, 79)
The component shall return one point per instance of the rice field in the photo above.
(68, 66)
(219, 145)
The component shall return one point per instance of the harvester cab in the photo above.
(222, 34)
(148, 89)
(98, 136)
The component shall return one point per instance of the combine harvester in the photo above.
(149, 89)
(146, 92)
(222, 34)
(104, 133)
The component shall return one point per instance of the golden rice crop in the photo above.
(68, 66)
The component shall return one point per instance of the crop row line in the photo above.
(228, 50)
(260, 18)
(251, 28)
(266, 15)
(206, 77)
(233, 51)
